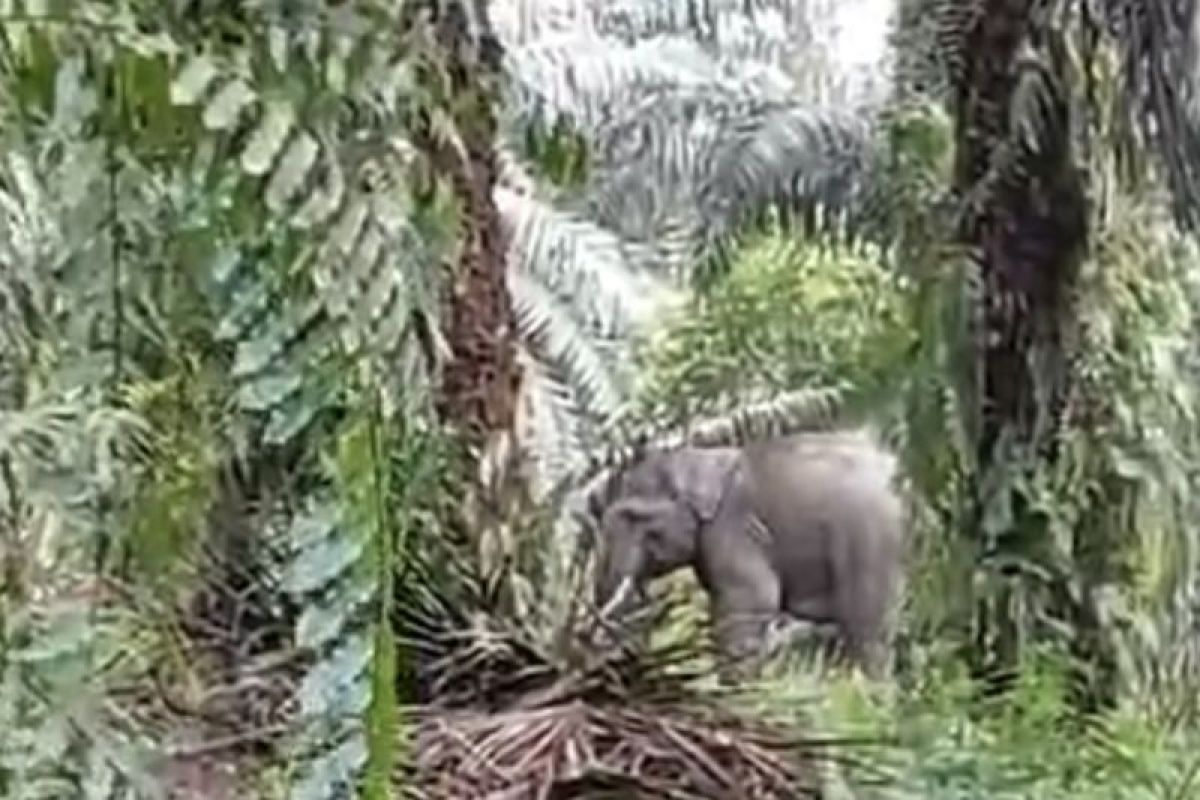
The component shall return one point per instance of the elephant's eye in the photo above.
(633, 516)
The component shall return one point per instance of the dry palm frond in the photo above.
(475, 651)
(577, 749)
(216, 688)
(510, 711)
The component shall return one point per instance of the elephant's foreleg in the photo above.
(741, 637)
(742, 634)
(743, 585)
(743, 612)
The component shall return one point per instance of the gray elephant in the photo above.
(806, 527)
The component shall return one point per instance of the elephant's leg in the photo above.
(743, 586)
(743, 611)
(869, 649)
(866, 609)
(863, 635)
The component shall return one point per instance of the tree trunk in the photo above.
(479, 382)
(1025, 223)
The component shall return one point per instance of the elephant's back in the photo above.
(851, 458)
(818, 479)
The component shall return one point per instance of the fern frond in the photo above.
(370, 266)
(326, 577)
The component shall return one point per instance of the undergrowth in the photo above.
(940, 740)
(783, 319)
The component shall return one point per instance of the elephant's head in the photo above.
(653, 521)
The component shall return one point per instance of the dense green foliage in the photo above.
(939, 740)
(948, 743)
(773, 324)
(1112, 534)
(200, 284)
(786, 317)
(229, 522)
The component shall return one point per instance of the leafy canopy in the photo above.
(789, 315)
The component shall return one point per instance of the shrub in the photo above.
(786, 316)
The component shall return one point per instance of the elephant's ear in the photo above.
(702, 478)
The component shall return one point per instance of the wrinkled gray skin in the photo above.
(804, 527)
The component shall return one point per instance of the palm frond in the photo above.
(587, 751)
(714, 160)
(552, 429)
(551, 333)
(585, 79)
(578, 302)
(60, 741)
(670, 150)
(697, 120)
(554, 703)
(781, 415)
(520, 22)
(581, 263)
(1160, 66)
(789, 158)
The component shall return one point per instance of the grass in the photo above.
(936, 740)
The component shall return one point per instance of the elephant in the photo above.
(804, 527)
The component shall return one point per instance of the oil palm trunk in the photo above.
(478, 378)
(478, 384)
(1025, 220)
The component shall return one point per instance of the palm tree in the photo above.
(1029, 128)
(697, 120)
(260, 377)
(1027, 220)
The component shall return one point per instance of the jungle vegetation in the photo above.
(316, 315)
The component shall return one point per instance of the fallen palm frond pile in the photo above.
(214, 685)
(217, 691)
(577, 749)
(508, 712)
(515, 695)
